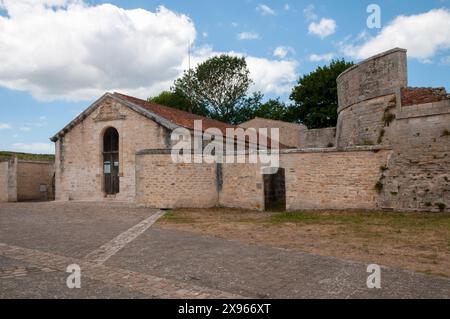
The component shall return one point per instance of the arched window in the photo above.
(111, 161)
(111, 140)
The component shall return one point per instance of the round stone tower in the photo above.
(368, 94)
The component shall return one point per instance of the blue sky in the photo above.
(58, 56)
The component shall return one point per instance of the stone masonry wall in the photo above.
(318, 138)
(32, 177)
(8, 180)
(79, 153)
(333, 180)
(242, 186)
(368, 94)
(377, 76)
(367, 122)
(164, 184)
(325, 179)
(4, 172)
(417, 177)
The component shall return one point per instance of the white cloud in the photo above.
(34, 147)
(269, 76)
(321, 57)
(265, 10)
(324, 28)
(309, 13)
(423, 35)
(4, 126)
(287, 7)
(282, 51)
(78, 51)
(25, 129)
(205, 34)
(248, 36)
(234, 24)
(273, 76)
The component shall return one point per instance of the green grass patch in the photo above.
(364, 219)
(27, 156)
(294, 217)
(177, 218)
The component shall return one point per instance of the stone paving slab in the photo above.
(51, 285)
(109, 249)
(144, 284)
(259, 271)
(70, 229)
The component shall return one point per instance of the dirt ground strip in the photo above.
(415, 241)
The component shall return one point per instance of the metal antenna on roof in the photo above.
(189, 77)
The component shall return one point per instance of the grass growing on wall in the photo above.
(27, 156)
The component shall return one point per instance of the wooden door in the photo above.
(111, 161)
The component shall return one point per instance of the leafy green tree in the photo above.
(253, 107)
(220, 84)
(179, 101)
(315, 96)
(273, 109)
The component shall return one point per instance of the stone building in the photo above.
(26, 180)
(390, 150)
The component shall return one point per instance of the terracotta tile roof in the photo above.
(181, 118)
(415, 95)
(178, 117)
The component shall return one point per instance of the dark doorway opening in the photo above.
(111, 161)
(275, 191)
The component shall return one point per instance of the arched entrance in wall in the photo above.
(111, 161)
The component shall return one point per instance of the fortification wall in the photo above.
(161, 183)
(417, 177)
(34, 180)
(330, 179)
(367, 93)
(379, 75)
(321, 179)
(367, 123)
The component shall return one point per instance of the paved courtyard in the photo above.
(122, 254)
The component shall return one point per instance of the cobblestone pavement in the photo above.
(121, 256)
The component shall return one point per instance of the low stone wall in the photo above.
(8, 180)
(26, 180)
(161, 183)
(242, 186)
(4, 169)
(329, 179)
(35, 180)
(315, 179)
